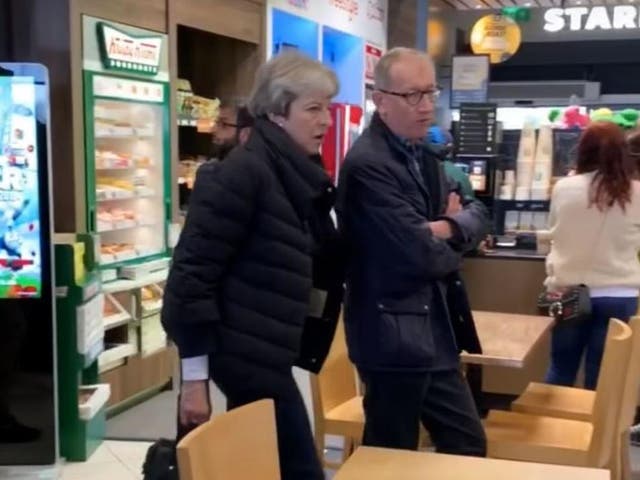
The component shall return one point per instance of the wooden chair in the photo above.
(337, 404)
(578, 404)
(238, 445)
(570, 402)
(544, 439)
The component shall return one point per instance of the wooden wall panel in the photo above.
(40, 33)
(240, 19)
(149, 14)
(216, 65)
(401, 24)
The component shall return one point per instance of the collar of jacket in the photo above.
(304, 180)
(398, 144)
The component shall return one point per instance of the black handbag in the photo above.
(568, 306)
(160, 462)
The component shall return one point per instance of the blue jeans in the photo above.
(568, 344)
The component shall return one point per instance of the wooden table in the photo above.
(385, 464)
(506, 338)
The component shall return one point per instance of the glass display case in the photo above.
(126, 166)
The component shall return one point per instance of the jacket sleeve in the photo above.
(379, 216)
(471, 225)
(219, 218)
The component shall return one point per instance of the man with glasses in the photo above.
(232, 128)
(406, 233)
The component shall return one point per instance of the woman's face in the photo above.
(308, 121)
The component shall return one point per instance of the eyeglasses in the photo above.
(228, 124)
(414, 98)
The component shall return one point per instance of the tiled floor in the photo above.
(123, 461)
(112, 461)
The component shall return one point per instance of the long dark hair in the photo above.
(633, 140)
(603, 149)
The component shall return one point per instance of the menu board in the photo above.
(20, 245)
(477, 129)
(469, 79)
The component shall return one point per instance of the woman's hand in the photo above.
(194, 408)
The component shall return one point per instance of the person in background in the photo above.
(633, 140)
(595, 235)
(405, 234)
(232, 128)
(238, 291)
(443, 143)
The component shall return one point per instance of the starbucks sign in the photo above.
(577, 19)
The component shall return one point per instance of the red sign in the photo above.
(372, 56)
(350, 7)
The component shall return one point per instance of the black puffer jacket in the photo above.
(241, 277)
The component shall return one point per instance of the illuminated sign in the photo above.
(576, 19)
(497, 36)
(129, 53)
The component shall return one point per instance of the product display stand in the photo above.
(137, 361)
(80, 334)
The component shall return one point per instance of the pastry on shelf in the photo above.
(142, 161)
(117, 252)
(120, 183)
(107, 159)
(115, 218)
(109, 309)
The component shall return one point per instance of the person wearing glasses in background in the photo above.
(232, 129)
(405, 234)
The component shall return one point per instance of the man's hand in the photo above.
(454, 205)
(441, 229)
(194, 408)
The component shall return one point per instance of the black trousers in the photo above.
(296, 448)
(396, 402)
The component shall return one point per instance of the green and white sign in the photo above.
(124, 52)
(115, 48)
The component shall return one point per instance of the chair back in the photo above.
(609, 393)
(632, 380)
(337, 382)
(238, 445)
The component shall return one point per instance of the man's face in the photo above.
(225, 132)
(407, 105)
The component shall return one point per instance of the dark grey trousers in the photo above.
(396, 402)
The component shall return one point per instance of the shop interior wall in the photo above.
(401, 23)
(38, 31)
(603, 56)
(49, 32)
(216, 65)
(613, 63)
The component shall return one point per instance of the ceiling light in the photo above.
(528, 4)
(478, 7)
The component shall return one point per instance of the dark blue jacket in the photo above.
(396, 316)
